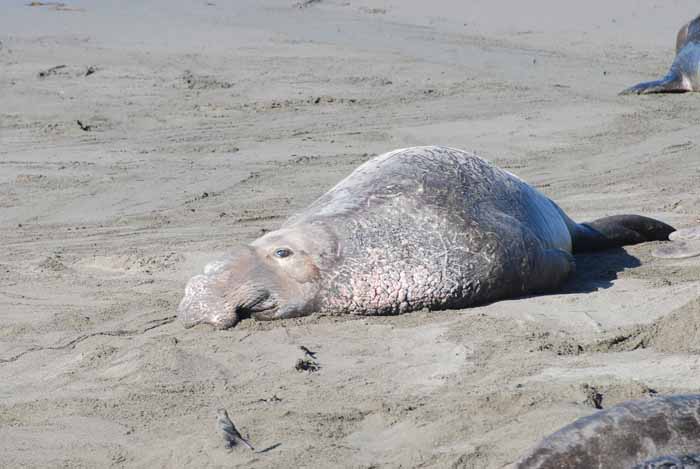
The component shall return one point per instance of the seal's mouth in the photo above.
(261, 301)
(264, 305)
(226, 316)
(205, 303)
(264, 308)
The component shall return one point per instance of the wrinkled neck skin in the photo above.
(426, 260)
(419, 228)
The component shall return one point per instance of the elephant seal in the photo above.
(663, 432)
(684, 74)
(424, 227)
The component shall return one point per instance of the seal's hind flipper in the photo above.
(618, 230)
(671, 83)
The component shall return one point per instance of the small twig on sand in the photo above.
(51, 71)
(84, 127)
(306, 3)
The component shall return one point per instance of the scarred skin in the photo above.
(684, 74)
(656, 433)
(409, 249)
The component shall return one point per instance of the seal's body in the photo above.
(658, 433)
(424, 227)
(684, 74)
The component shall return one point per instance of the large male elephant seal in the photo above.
(653, 434)
(684, 74)
(425, 227)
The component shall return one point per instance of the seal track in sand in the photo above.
(72, 343)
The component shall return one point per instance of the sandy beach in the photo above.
(140, 140)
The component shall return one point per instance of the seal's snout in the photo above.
(274, 277)
(202, 304)
(230, 289)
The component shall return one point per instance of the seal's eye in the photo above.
(283, 252)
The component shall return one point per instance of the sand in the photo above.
(205, 123)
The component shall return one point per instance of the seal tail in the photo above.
(618, 230)
(671, 83)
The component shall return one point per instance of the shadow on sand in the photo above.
(269, 448)
(596, 270)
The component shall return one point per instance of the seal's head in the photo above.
(276, 276)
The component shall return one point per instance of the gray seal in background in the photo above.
(423, 227)
(663, 432)
(684, 74)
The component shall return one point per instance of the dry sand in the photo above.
(212, 121)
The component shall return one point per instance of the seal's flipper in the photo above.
(671, 83)
(678, 250)
(618, 230)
